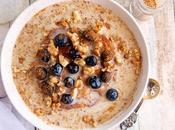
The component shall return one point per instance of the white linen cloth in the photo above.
(8, 121)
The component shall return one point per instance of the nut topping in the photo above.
(79, 84)
(106, 56)
(74, 93)
(52, 49)
(105, 76)
(76, 16)
(63, 60)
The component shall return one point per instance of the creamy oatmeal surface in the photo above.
(57, 40)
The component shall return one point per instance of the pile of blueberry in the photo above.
(95, 82)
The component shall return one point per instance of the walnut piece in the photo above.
(56, 106)
(63, 60)
(106, 55)
(61, 90)
(54, 79)
(52, 49)
(89, 120)
(79, 84)
(63, 22)
(118, 61)
(76, 16)
(83, 49)
(80, 62)
(74, 38)
(55, 97)
(16, 69)
(88, 70)
(48, 101)
(39, 111)
(74, 93)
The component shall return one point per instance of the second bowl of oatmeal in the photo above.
(75, 64)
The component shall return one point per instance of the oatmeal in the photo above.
(76, 66)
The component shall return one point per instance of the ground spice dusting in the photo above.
(151, 3)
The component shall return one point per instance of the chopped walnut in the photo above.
(79, 84)
(98, 48)
(88, 70)
(16, 69)
(96, 52)
(63, 60)
(74, 93)
(137, 54)
(61, 89)
(136, 51)
(122, 47)
(76, 17)
(54, 79)
(48, 101)
(98, 26)
(80, 62)
(55, 97)
(52, 49)
(98, 44)
(89, 120)
(56, 106)
(74, 38)
(108, 67)
(106, 55)
(53, 60)
(39, 111)
(118, 61)
(127, 54)
(51, 83)
(63, 23)
(83, 49)
(135, 62)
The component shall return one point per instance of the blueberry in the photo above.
(69, 82)
(61, 40)
(66, 98)
(44, 55)
(73, 68)
(95, 82)
(91, 60)
(57, 69)
(41, 73)
(112, 94)
(73, 53)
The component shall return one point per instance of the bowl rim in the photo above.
(6, 60)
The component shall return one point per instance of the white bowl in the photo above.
(6, 62)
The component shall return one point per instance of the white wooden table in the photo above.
(157, 114)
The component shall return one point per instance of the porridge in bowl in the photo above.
(76, 66)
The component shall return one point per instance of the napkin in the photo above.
(7, 119)
(2, 91)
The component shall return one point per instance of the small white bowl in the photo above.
(6, 62)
